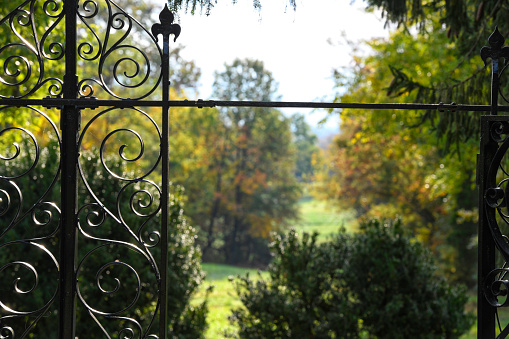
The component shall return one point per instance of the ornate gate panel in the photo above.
(84, 210)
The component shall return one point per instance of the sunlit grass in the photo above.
(320, 216)
(222, 299)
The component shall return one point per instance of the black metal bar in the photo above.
(495, 85)
(166, 27)
(69, 124)
(165, 158)
(92, 103)
(486, 244)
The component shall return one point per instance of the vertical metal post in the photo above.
(495, 85)
(165, 28)
(165, 156)
(495, 52)
(486, 243)
(69, 124)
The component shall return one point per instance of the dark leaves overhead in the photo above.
(191, 6)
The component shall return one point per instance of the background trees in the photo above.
(238, 167)
(389, 163)
(306, 148)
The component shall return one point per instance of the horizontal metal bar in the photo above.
(94, 103)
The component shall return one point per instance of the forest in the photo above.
(241, 176)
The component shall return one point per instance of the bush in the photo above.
(379, 282)
(397, 294)
(304, 297)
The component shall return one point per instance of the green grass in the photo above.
(318, 216)
(222, 299)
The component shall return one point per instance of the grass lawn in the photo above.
(223, 298)
(318, 216)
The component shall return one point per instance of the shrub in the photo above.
(379, 282)
(397, 294)
(304, 297)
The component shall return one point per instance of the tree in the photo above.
(396, 291)
(306, 147)
(379, 283)
(304, 296)
(389, 162)
(255, 190)
(467, 25)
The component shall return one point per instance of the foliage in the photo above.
(306, 148)
(390, 163)
(466, 25)
(193, 5)
(305, 295)
(378, 282)
(397, 294)
(242, 167)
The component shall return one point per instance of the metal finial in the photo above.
(496, 41)
(166, 27)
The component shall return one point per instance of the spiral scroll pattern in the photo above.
(29, 220)
(496, 202)
(125, 70)
(119, 221)
(496, 195)
(30, 60)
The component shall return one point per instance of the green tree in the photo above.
(389, 162)
(305, 142)
(397, 292)
(258, 191)
(304, 296)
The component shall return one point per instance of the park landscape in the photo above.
(276, 232)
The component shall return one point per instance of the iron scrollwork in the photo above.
(29, 223)
(117, 53)
(30, 55)
(120, 207)
(119, 223)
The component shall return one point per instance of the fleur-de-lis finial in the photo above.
(166, 27)
(496, 41)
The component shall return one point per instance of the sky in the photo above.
(294, 45)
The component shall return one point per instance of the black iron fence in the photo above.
(72, 67)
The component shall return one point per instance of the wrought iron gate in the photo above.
(493, 176)
(68, 53)
(72, 67)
